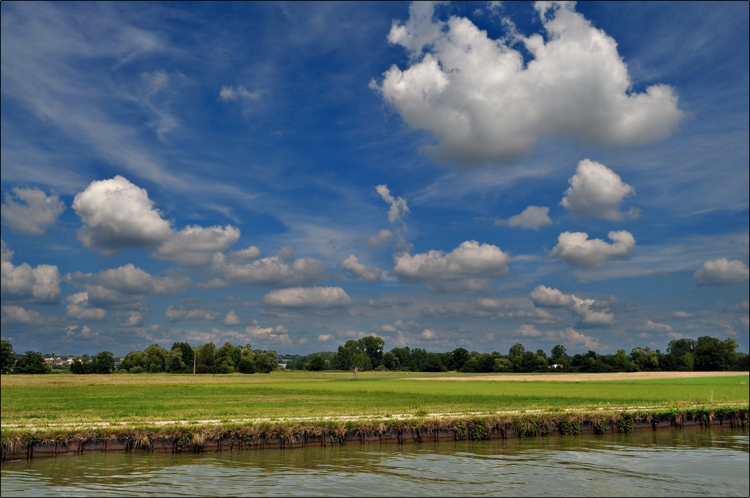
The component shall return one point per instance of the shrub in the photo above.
(136, 370)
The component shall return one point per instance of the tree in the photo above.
(433, 363)
(7, 357)
(710, 354)
(175, 362)
(78, 367)
(558, 354)
(206, 354)
(362, 362)
(187, 353)
(316, 364)
(265, 361)
(680, 347)
(460, 356)
(621, 360)
(373, 347)
(516, 350)
(31, 363)
(391, 361)
(103, 363)
(155, 358)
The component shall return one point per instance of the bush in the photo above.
(136, 370)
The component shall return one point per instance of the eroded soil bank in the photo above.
(20, 444)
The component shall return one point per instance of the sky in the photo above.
(295, 175)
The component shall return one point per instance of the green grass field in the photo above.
(70, 399)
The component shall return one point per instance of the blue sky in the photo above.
(449, 175)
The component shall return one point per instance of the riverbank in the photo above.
(56, 414)
(26, 443)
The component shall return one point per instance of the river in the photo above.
(665, 462)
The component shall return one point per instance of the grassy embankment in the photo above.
(59, 406)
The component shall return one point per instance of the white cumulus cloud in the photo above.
(596, 190)
(130, 279)
(352, 265)
(277, 334)
(398, 208)
(721, 271)
(231, 319)
(79, 308)
(482, 102)
(308, 297)
(470, 260)
(571, 337)
(117, 214)
(278, 270)
(533, 217)
(195, 245)
(34, 214)
(554, 298)
(17, 314)
(578, 250)
(22, 283)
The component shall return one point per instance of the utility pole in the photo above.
(195, 357)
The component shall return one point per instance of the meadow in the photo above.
(39, 400)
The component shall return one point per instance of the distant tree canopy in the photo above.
(704, 354)
(206, 359)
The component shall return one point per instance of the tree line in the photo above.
(182, 358)
(702, 354)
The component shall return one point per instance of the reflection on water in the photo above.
(665, 462)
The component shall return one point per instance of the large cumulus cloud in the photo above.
(596, 190)
(117, 214)
(578, 250)
(466, 267)
(721, 271)
(482, 102)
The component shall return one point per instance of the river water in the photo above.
(665, 462)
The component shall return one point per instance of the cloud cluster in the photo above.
(533, 217)
(352, 265)
(466, 267)
(79, 308)
(585, 308)
(578, 250)
(482, 102)
(571, 337)
(400, 327)
(35, 214)
(659, 327)
(17, 314)
(277, 334)
(117, 214)
(278, 270)
(596, 190)
(308, 297)
(130, 279)
(721, 271)
(40, 284)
